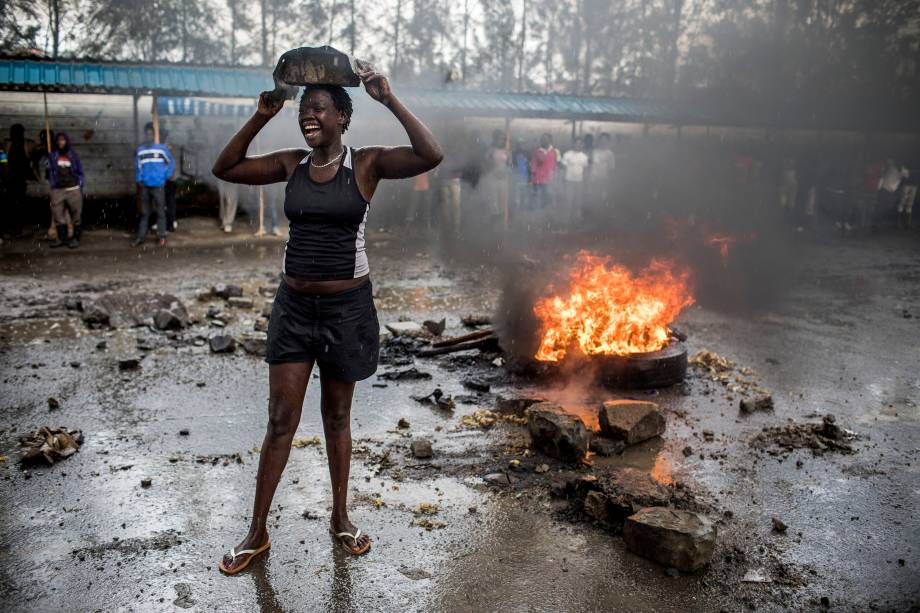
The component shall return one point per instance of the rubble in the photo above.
(226, 291)
(300, 443)
(404, 375)
(403, 423)
(405, 328)
(168, 320)
(421, 448)
(222, 343)
(435, 328)
(437, 399)
(630, 421)
(557, 433)
(778, 525)
(674, 538)
(95, 316)
(255, 345)
(515, 406)
(477, 385)
(146, 482)
(625, 491)
(760, 403)
(53, 403)
(47, 446)
(130, 363)
(239, 302)
(735, 379)
(476, 320)
(819, 438)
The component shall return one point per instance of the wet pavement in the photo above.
(85, 535)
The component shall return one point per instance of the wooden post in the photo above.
(506, 193)
(47, 125)
(156, 120)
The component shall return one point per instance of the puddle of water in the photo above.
(26, 331)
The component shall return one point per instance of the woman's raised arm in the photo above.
(400, 162)
(235, 166)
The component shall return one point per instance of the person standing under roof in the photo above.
(543, 171)
(18, 171)
(154, 165)
(575, 162)
(65, 176)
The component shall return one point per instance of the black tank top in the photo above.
(327, 225)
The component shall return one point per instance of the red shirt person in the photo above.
(543, 170)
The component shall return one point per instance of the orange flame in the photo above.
(610, 311)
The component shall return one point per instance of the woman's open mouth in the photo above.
(310, 128)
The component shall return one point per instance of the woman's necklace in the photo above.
(330, 162)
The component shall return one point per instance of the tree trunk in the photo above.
(55, 27)
(466, 27)
(184, 31)
(233, 32)
(396, 40)
(331, 24)
(523, 40)
(352, 28)
(265, 58)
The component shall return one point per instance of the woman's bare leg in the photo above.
(336, 410)
(287, 384)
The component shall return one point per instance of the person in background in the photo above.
(496, 177)
(65, 176)
(789, 188)
(602, 168)
(543, 171)
(154, 164)
(908, 195)
(521, 171)
(575, 162)
(273, 194)
(451, 174)
(19, 152)
(229, 200)
(887, 191)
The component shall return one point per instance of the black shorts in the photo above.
(340, 332)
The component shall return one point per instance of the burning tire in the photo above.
(660, 368)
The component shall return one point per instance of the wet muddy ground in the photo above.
(85, 535)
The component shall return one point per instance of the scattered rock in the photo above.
(778, 525)
(760, 403)
(403, 423)
(415, 574)
(225, 291)
(405, 328)
(239, 302)
(261, 325)
(73, 304)
(131, 363)
(542, 468)
(671, 537)
(184, 432)
(477, 385)
(184, 598)
(47, 446)
(95, 316)
(607, 447)
(222, 343)
(53, 403)
(101, 345)
(688, 451)
(267, 309)
(557, 433)
(438, 399)
(167, 320)
(306, 441)
(404, 375)
(255, 345)
(670, 571)
(436, 328)
(421, 448)
(515, 406)
(473, 321)
(630, 421)
(595, 506)
(756, 575)
(146, 482)
(628, 490)
(819, 438)
(497, 479)
(75, 364)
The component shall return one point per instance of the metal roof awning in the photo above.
(178, 84)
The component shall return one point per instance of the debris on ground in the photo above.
(485, 419)
(146, 482)
(477, 385)
(556, 433)
(482, 340)
(421, 448)
(415, 574)
(240, 302)
(620, 493)
(225, 459)
(437, 399)
(47, 446)
(476, 320)
(759, 403)
(225, 291)
(428, 524)
(306, 441)
(184, 598)
(741, 380)
(255, 345)
(175, 317)
(630, 421)
(410, 374)
(222, 343)
(95, 316)
(405, 328)
(435, 328)
(671, 537)
(778, 525)
(497, 479)
(426, 508)
(131, 363)
(820, 438)
(53, 403)
(515, 406)
(756, 575)
(403, 423)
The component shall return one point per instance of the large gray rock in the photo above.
(557, 433)
(627, 490)
(630, 421)
(95, 315)
(240, 302)
(421, 448)
(225, 290)
(222, 343)
(674, 538)
(168, 320)
(255, 345)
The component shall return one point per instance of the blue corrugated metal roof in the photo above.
(182, 81)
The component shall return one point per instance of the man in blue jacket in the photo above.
(65, 174)
(154, 164)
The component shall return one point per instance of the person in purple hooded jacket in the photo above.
(65, 174)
